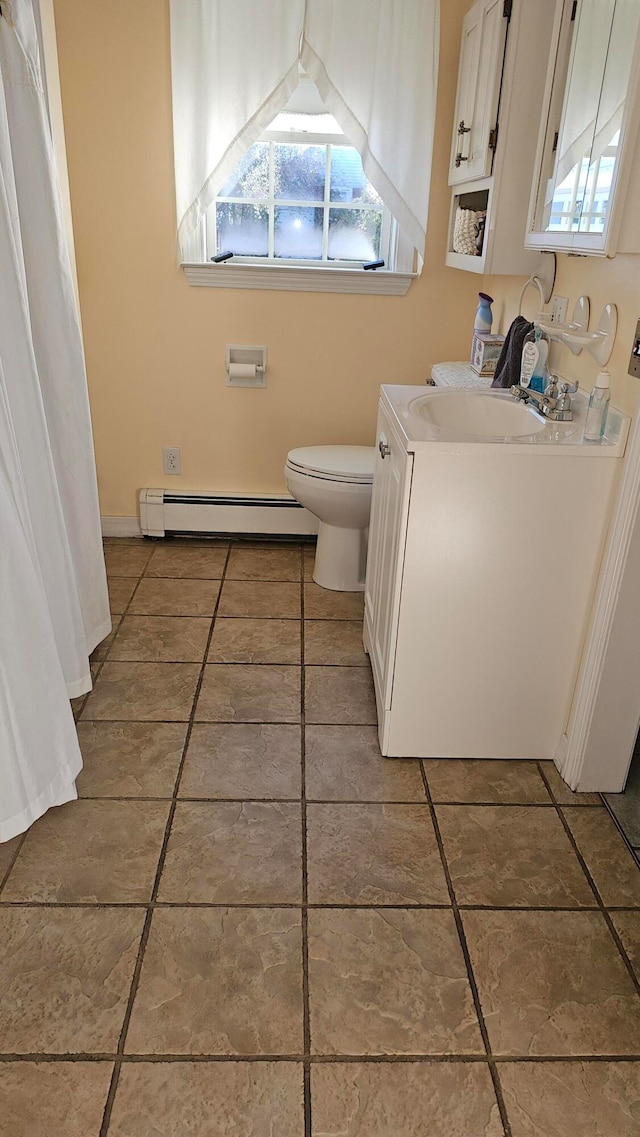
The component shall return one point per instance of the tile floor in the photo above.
(252, 924)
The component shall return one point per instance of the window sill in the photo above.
(299, 278)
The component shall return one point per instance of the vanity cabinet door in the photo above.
(387, 532)
(480, 70)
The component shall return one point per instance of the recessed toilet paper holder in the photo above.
(246, 365)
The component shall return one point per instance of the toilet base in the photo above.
(341, 558)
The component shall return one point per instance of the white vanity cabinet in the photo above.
(483, 561)
(500, 95)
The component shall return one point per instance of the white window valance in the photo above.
(236, 62)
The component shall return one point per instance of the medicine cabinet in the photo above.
(586, 171)
(499, 101)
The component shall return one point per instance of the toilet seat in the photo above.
(352, 464)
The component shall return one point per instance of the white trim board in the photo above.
(121, 527)
(595, 753)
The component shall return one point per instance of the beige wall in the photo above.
(614, 281)
(155, 345)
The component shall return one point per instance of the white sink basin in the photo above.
(487, 414)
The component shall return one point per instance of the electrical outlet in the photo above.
(559, 305)
(171, 459)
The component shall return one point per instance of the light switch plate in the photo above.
(634, 362)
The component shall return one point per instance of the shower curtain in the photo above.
(53, 598)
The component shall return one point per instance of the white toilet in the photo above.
(334, 483)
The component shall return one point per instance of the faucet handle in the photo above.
(563, 401)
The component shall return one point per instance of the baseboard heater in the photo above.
(221, 514)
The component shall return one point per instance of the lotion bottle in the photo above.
(596, 419)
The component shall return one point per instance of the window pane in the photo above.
(250, 179)
(298, 232)
(242, 229)
(299, 172)
(348, 179)
(354, 234)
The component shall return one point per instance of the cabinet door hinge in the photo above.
(574, 10)
(555, 143)
(493, 137)
(507, 9)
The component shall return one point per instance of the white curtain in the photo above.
(53, 599)
(235, 63)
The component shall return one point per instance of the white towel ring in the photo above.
(544, 280)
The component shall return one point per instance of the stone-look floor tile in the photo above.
(129, 759)
(389, 981)
(65, 978)
(261, 599)
(325, 604)
(101, 650)
(103, 852)
(39, 1099)
(243, 760)
(340, 695)
(343, 763)
(234, 1099)
(121, 589)
(235, 692)
(592, 1099)
(164, 597)
(8, 850)
(627, 925)
(475, 780)
(610, 863)
(220, 981)
(626, 806)
(264, 564)
(373, 854)
(145, 692)
(407, 1099)
(511, 856)
(234, 853)
(552, 983)
(192, 564)
(161, 639)
(334, 641)
(245, 640)
(561, 791)
(127, 560)
(309, 562)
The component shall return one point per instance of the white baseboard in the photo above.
(120, 527)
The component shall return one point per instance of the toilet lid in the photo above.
(351, 463)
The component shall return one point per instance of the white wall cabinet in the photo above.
(500, 95)
(483, 561)
(481, 56)
(587, 171)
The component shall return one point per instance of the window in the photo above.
(300, 197)
(276, 184)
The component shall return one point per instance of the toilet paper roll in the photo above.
(242, 371)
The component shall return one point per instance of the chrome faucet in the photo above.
(554, 404)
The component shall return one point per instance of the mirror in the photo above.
(581, 147)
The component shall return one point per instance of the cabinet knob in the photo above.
(384, 447)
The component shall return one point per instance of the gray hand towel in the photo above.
(508, 365)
